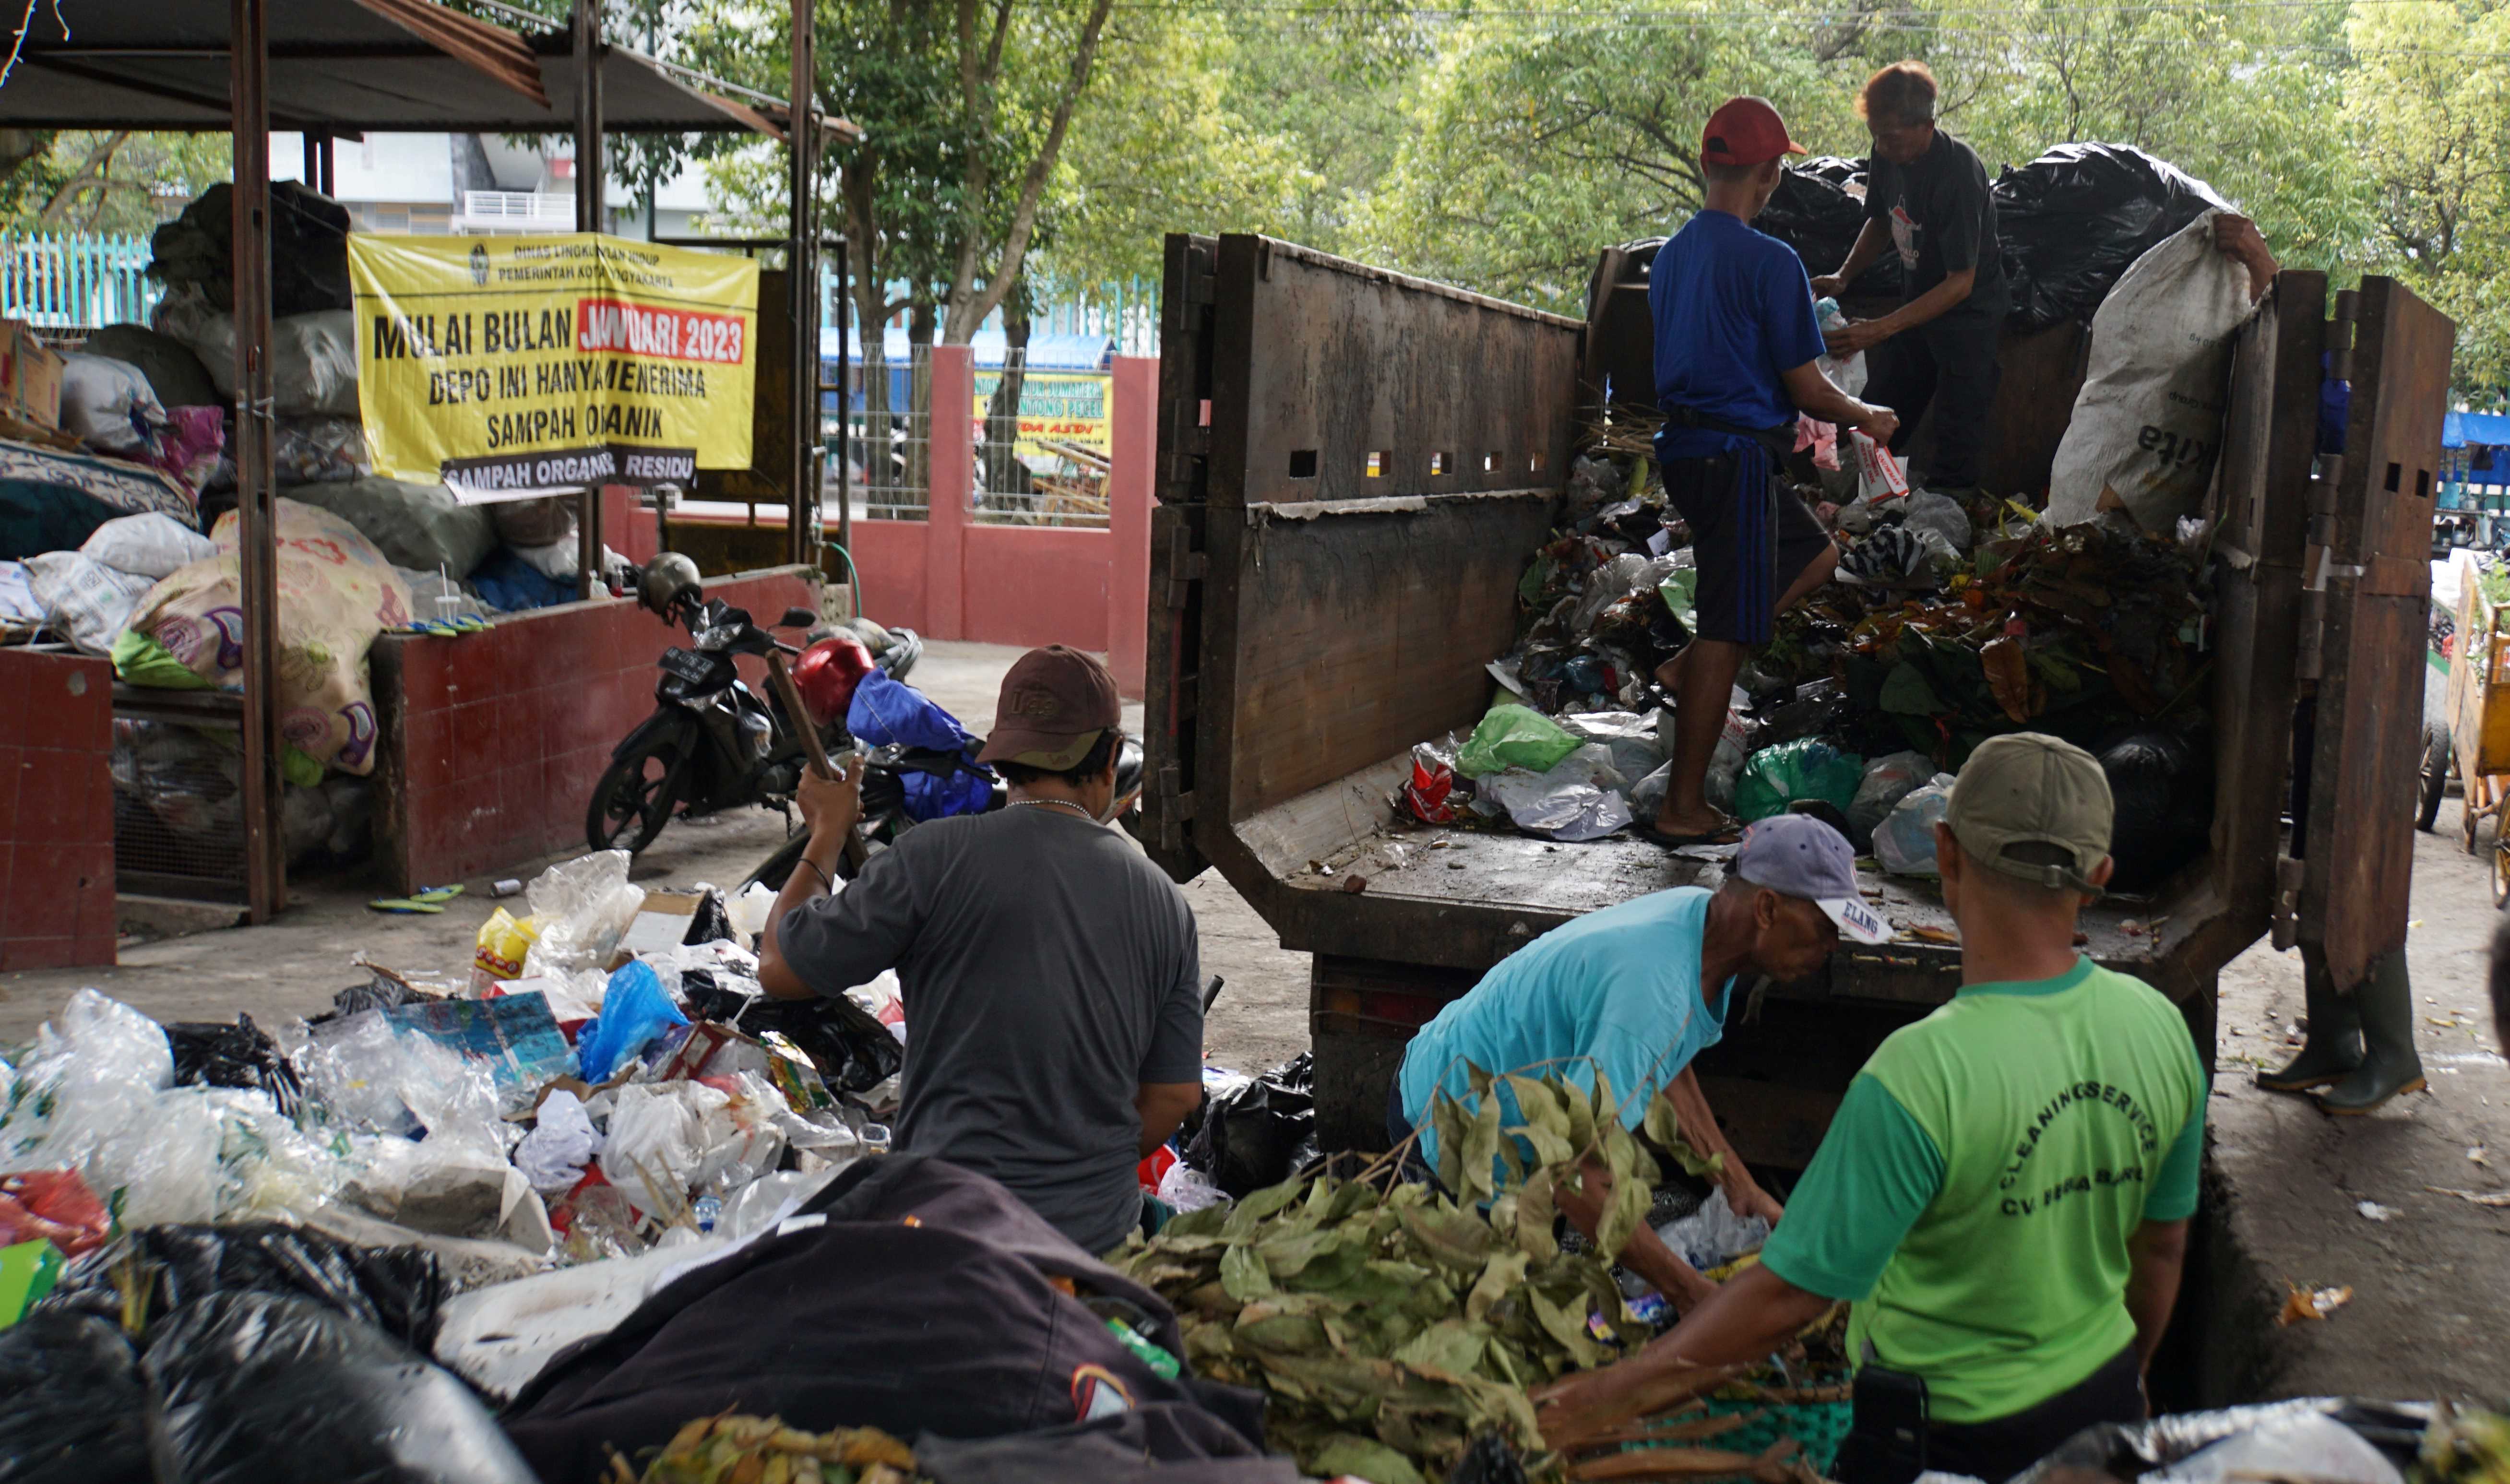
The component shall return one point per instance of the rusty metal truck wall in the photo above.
(1371, 460)
(2366, 577)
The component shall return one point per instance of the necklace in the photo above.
(1054, 804)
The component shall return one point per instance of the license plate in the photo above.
(688, 665)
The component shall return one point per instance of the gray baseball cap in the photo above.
(1798, 855)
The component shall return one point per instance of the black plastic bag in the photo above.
(1253, 1137)
(1488, 1459)
(2071, 222)
(270, 1389)
(209, 1055)
(712, 922)
(74, 1412)
(399, 1290)
(2162, 791)
(852, 1051)
(1813, 213)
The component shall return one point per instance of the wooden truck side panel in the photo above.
(1311, 621)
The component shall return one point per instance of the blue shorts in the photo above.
(1750, 547)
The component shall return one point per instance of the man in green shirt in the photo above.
(2003, 1194)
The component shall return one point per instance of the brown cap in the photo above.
(1055, 703)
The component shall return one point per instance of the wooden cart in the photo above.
(2479, 710)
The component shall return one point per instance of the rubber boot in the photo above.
(2389, 1065)
(2335, 1044)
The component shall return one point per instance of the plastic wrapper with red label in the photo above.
(54, 1205)
(1428, 794)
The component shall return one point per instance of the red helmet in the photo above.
(826, 675)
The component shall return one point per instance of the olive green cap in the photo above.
(2027, 787)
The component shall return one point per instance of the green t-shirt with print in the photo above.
(1974, 1195)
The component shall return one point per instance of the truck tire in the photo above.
(2436, 748)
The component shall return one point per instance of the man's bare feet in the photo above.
(1705, 823)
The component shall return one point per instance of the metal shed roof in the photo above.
(345, 66)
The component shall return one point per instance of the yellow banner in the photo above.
(1061, 406)
(544, 362)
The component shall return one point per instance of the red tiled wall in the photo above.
(492, 741)
(56, 811)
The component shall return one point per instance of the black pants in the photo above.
(1998, 1449)
(1947, 362)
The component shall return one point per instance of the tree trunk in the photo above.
(1005, 473)
(872, 445)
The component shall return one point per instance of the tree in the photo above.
(117, 182)
(2435, 129)
(1530, 146)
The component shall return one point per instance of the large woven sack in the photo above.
(335, 594)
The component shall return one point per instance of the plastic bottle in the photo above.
(708, 1210)
(1155, 1356)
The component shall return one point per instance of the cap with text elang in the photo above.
(1745, 131)
(1054, 704)
(2030, 788)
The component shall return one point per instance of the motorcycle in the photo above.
(884, 807)
(711, 744)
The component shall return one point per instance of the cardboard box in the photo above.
(30, 375)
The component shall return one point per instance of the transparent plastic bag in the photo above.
(657, 1138)
(1713, 1236)
(371, 1074)
(1904, 841)
(100, 1069)
(1636, 747)
(769, 1199)
(580, 907)
(1887, 780)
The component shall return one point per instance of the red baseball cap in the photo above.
(1745, 131)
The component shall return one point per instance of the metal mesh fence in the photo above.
(178, 802)
(1042, 448)
(889, 444)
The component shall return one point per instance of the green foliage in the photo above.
(1392, 1325)
(113, 184)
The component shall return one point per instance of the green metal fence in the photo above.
(65, 282)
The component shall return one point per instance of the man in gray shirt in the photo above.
(1049, 972)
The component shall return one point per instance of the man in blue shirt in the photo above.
(1625, 991)
(1735, 344)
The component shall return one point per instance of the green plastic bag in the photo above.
(1513, 735)
(141, 660)
(1811, 769)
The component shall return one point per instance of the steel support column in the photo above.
(589, 181)
(256, 531)
(802, 278)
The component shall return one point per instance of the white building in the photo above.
(437, 183)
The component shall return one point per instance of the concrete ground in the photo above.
(2430, 1282)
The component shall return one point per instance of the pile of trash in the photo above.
(1393, 1325)
(1949, 623)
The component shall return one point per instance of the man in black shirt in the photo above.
(1927, 197)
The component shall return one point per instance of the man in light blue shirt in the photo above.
(1627, 990)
